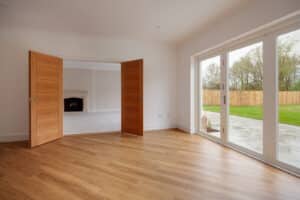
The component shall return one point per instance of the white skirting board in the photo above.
(13, 137)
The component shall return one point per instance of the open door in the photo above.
(46, 100)
(132, 97)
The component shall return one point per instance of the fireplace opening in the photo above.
(73, 104)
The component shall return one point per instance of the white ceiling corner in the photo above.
(163, 20)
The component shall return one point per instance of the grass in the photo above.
(288, 114)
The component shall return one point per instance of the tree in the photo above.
(247, 72)
(296, 86)
(288, 61)
(211, 78)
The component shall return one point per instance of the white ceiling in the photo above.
(167, 20)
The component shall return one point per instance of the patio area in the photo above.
(247, 132)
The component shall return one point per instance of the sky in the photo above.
(295, 35)
(236, 55)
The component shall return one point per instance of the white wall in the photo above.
(107, 90)
(159, 73)
(255, 14)
(77, 79)
(103, 96)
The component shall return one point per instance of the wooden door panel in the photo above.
(46, 105)
(132, 97)
(48, 87)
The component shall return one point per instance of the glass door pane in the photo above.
(245, 78)
(210, 80)
(288, 58)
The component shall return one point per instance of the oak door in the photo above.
(46, 98)
(132, 97)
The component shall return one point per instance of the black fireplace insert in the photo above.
(73, 104)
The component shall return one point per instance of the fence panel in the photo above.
(249, 98)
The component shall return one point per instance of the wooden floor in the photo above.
(161, 165)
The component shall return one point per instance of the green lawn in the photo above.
(288, 114)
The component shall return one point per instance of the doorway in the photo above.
(48, 98)
(92, 97)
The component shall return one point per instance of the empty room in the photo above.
(150, 99)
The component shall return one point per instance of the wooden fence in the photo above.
(249, 98)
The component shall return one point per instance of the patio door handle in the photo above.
(224, 99)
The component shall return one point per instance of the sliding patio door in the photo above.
(210, 97)
(245, 97)
(288, 108)
(238, 110)
(248, 95)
